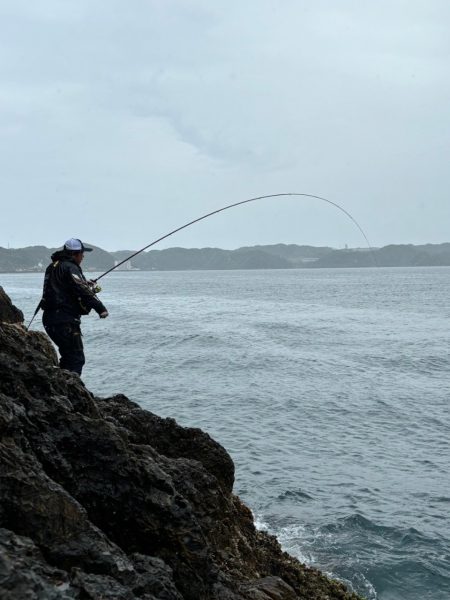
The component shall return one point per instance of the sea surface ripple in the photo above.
(329, 388)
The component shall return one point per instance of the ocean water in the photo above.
(329, 388)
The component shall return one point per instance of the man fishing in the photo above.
(67, 295)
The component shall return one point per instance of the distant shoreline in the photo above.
(35, 259)
(122, 271)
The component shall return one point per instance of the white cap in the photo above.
(76, 245)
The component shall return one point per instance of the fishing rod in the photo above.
(215, 212)
(93, 282)
(27, 327)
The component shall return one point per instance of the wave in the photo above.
(377, 561)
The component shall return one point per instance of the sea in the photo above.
(329, 388)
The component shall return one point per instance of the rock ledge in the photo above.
(100, 499)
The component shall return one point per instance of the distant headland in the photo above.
(277, 256)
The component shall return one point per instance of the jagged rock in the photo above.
(8, 312)
(100, 499)
(24, 573)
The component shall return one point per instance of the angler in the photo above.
(67, 295)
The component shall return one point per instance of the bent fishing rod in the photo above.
(215, 212)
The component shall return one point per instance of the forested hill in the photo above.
(278, 256)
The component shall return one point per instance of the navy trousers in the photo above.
(67, 336)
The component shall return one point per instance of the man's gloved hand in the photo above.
(104, 314)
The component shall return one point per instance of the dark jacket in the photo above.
(66, 294)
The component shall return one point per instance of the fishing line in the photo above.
(215, 212)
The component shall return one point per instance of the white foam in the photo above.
(290, 539)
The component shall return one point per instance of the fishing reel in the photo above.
(95, 288)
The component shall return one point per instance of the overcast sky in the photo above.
(122, 120)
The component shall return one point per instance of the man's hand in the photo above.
(93, 286)
(104, 314)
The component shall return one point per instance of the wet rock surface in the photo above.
(8, 312)
(100, 499)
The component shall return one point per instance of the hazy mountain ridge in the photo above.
(276, 256)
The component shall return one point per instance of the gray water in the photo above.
(329, 388)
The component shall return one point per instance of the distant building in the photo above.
(127, 266)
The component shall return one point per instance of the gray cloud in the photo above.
(119, 123)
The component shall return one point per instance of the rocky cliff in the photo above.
(100, 499)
